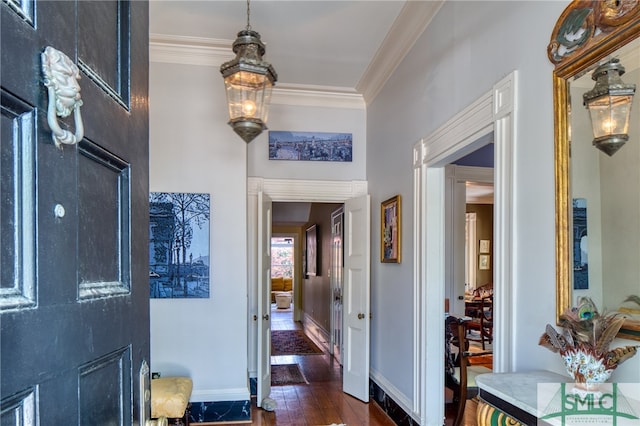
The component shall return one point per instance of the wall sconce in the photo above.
(248, 81)
(609, 105)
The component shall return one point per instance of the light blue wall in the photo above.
(467, 48)
(192, 152)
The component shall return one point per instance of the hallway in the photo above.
(321, 402)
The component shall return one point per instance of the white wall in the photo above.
(621, 213)
(585, 183)
(332, 118)
(315, 114)
(467, 48)
(192, 149)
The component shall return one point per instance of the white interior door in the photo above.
(455, 205)
(336, 283)
(356, 297)
(264, 297)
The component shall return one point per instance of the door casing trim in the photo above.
(495, 111)
(283, 190)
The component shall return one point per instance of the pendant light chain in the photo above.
(248, 12)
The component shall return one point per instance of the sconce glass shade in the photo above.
(609, 105)
(248, 81)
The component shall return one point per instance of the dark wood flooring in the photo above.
(321, 402)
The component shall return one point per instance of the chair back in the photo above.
(459, 372)
(456, 347)
(455, 338)
(486, 320)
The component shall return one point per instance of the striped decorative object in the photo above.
(491, 416)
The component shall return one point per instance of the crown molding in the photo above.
(214, 52)
(413, 19)
(318, 96)
(189, 50)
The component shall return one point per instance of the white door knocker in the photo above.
(61, 77)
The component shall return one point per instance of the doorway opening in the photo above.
(265, 198)
(469, 197)
(478, 248)
(283, 262)
(313, 291)
(479, 239)
(469, 226)
(459, 136)
(297, 343)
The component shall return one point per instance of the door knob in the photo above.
(360, 315)
(265, 317)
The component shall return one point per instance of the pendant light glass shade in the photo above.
(609, 105)
(248, 81)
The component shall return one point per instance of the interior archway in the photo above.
(493, 112)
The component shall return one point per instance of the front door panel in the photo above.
(74, 307)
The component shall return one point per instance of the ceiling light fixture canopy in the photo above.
(609, 105)
(248, 80)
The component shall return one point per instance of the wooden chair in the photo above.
(459, 373)
(482, 322)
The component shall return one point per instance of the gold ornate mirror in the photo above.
(597, 195)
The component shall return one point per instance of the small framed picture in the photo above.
(484, 262)
(390, 230)
(485, 245)
(312, 245)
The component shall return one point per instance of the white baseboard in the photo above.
(316, 331)
(393, 393)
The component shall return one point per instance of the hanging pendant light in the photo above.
(248, 81)
(609, 105)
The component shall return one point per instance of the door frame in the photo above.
(495, 112)
(283, 190)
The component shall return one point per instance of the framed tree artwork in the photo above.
(179, 245)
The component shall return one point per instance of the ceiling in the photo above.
(338, 46)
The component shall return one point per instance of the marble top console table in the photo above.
(512, 397)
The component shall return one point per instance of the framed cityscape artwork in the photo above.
(310, 146)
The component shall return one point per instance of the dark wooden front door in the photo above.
(74, 307)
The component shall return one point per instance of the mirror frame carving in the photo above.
(606, 26)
